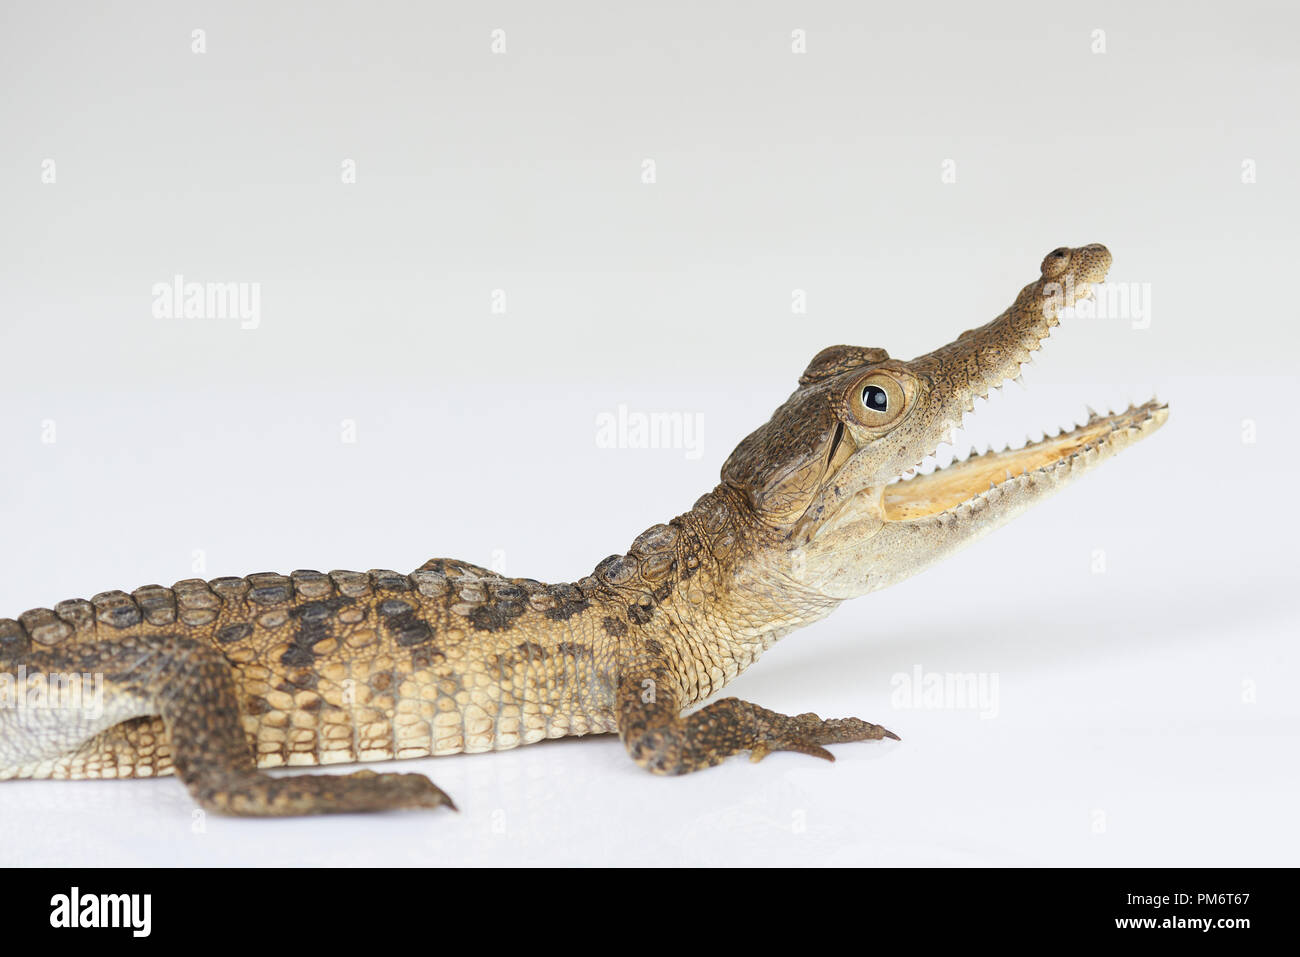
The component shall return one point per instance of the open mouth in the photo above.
(995, 353)
(967, 481)
(949, 382)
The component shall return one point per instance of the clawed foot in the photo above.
(806, 733)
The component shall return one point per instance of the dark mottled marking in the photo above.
(117, 609)
(496, 616)
(256, 705)
(319, 610)
(653, 647)
(402, 623)
(614, 627)
(569, 601)
(382, 681)
(416, 632)
(509, 592)
(271, 594)
(616, 569)
(639, 614)
(13, 640)
(236, 632)
(426, 656)
(573, 650)
(663, 591)
(314, 620)
(298, 656)
(391, 580)
(303, 678)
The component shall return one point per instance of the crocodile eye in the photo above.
(877, 400)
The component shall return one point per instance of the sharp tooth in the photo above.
(1092, 413)
(1019, 380)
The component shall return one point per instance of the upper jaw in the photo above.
(985, 358)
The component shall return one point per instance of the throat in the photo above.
(705, 591)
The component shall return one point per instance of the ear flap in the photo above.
(833, 360)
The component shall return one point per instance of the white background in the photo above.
(1145, 715)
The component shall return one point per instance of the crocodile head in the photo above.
(831, 477)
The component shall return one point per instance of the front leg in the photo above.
(660, 740)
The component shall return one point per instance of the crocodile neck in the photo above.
(701, 591)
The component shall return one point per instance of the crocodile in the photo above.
(217, 681)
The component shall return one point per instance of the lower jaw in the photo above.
(967, 483)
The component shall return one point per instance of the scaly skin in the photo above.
(216, 680)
